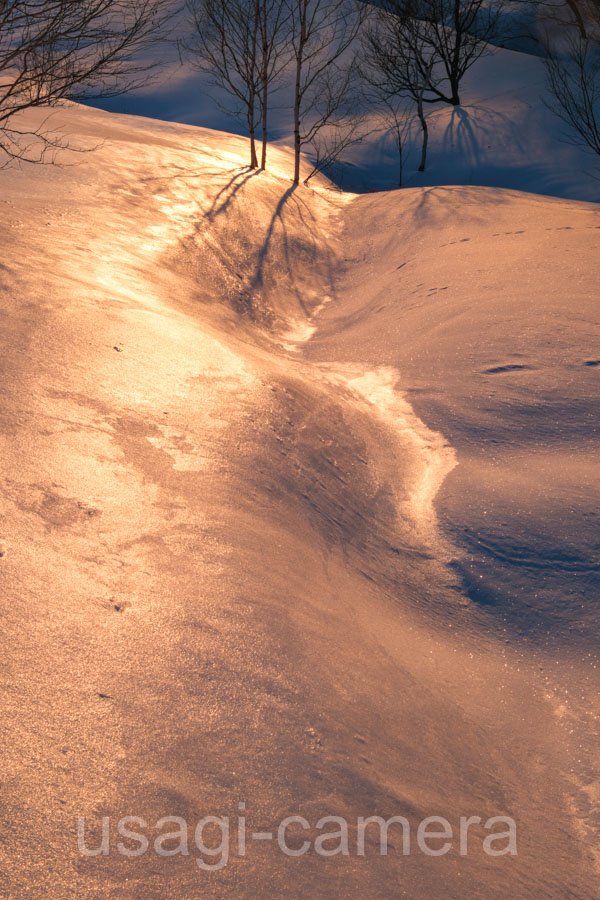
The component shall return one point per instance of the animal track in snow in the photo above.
(509, 367)
(459, 241)
(434, 290)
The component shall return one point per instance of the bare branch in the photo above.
(69, 49)
(398, 65)
(322, 34)
(573, 76)
(240, 45)
(455, 32)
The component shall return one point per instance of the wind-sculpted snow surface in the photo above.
(249, 437)
(496, 295)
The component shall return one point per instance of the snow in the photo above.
(502, 135)
(300, 505)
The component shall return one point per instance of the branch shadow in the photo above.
(433, 206)
(266, 261)
(471, 125)
(308, 221)
(227, 193)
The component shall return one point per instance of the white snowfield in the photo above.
(299, 510)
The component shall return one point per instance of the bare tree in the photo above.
(224, 43)
(455, 31)
(274, 45)
(336, 121)
(71, 49)
(399, 64)
(396, 119)
(321, 34)
(240, 44)
(573, 74)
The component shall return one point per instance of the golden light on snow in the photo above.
(262, 450)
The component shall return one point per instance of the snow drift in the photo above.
(227, 411)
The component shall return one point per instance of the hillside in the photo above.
(228, 410)
(503, 135)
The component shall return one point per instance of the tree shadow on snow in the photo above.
(227, 193)
(435, 205)
(472, 127)
(296, 252)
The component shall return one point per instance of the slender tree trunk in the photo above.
(297, 144)
(422, 118)
(252, 132)
(265, 112)
(302, 5)
(455, 64)
(400, 160)
(252, 98)
(253, 156)
(423, 122)
(264, 73)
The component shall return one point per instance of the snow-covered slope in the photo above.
(227, 409)
(486, 302)
(502, 135)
